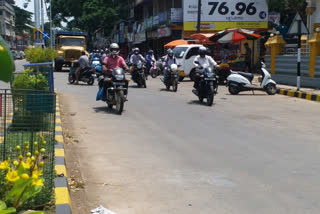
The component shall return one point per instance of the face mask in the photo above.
(114, 52)
(136, 53)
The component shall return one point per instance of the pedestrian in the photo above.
(248, 56)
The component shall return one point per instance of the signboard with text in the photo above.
(219, 15)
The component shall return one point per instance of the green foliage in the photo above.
(5, 210)
(38, 55)
(22, 17)
(30, 80)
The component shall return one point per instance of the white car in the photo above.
(185, 55)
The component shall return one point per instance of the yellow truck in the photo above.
(69, 46)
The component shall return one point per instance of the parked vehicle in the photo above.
(139, 76)
(208, 86)
(14, 54)
(185, 55)
(86, 75)
(19, 55)
(115, 89)
(239, 81)
(171, 79)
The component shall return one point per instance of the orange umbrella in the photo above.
(175, 43)
(203, 37)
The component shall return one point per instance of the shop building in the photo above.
(7, 23)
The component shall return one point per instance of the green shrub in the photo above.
(30, 80)
(38, 55)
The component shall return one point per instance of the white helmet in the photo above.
(114, 48)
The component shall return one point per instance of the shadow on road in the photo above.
(197, 102)
(105, 109)
(247, 94)
(81, 84)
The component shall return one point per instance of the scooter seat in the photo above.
(246, 75)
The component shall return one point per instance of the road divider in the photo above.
(62, 190)
(299, 94)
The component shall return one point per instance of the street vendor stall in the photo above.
(230, 46)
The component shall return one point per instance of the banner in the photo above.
(176, 15)
(227, 14)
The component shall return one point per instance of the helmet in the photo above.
(136, 51)
(150, 52)
(170, 53)
(114, 48)
(202, 51)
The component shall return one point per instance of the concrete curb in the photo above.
(62, 191)
(299, 94)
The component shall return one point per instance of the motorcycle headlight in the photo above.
(119, 77)
(210, 75)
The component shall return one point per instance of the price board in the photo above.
(218, 15)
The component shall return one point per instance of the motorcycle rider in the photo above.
(168, 60)
(150, 59)
(135, 58)
(83, 64)
(113, 61)
(203, 61)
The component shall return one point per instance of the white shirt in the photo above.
(206, 61)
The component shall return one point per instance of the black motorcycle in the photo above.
(138, 75)
(85, 75)
(207, 85)
(115, 89)
(171, 79)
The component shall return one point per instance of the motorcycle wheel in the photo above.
(110, 106)
(271, 89)
(119, 102)
(91, 80)
(71, 78)
(234, 90)
(200, 99)
(175, 86)
(144, 83)
(154, 73)
(210, 97)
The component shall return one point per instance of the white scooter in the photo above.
(239, 81)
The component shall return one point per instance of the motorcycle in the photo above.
(85, 75)
(97, 67)
(171, 79)
(156, 69)
(115, 89)
(207, 86)
(239, 81)
(139, 76)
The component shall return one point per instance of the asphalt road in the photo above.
(168, 153)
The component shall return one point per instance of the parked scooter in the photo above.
(171, 79)
(239, 81)
(208, 86)
(86, 75)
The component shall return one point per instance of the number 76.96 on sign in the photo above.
(228, 10)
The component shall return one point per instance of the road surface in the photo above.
(168, 153)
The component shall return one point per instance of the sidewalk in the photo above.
(291, 91)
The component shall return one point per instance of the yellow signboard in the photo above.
(216, 26)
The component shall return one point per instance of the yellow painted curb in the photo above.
(59, 138)
(61, 169)
(58, 120)
(62, 196)
(59, 128)
(59, 153)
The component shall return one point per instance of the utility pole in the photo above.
(299, 53)
(199, 16)
(51, 31)
(37, 21)
(42, 21)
